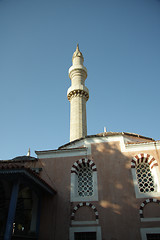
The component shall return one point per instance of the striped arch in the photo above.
(83, 205)
(83, 162)
(143, 158)
(150, 200)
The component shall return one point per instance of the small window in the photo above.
(85, 236)
(85, 233)
(153, 236)
(150, 233)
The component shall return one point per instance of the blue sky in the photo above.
(120, 42)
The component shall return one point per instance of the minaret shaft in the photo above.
(78, 123)
(78, 95)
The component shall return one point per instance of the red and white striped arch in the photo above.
(81, 163)
(150, 200)
(87, 204)
(143, 158)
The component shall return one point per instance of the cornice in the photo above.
(61, 153)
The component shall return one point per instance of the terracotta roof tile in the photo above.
(107, 134)
(13, 166)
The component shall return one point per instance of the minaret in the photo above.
(78, 95)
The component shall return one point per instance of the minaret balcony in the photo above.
(77, 93)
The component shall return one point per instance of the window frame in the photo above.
(145, 231)
(96, 229)
(74, 196)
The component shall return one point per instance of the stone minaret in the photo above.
(78, 95)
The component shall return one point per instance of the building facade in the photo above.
(99, 187)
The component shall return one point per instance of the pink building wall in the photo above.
(117, 205)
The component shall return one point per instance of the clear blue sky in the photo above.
(120, 42)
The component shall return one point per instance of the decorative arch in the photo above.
(87, 204)
(83, 162)
(144, 158)
(149, 200)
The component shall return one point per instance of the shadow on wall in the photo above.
(118, 208)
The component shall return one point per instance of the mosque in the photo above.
(99, 187)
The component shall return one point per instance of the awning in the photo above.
(14, 171)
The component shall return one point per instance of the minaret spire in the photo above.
(78, 95)
(78, 47)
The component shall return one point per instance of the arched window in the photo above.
(145, 175)
(84, 181)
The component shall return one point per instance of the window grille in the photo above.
(85, 182)
(145, 178)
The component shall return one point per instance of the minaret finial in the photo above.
(29, 152)
(77, 53)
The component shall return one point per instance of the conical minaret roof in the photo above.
(77, 53)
